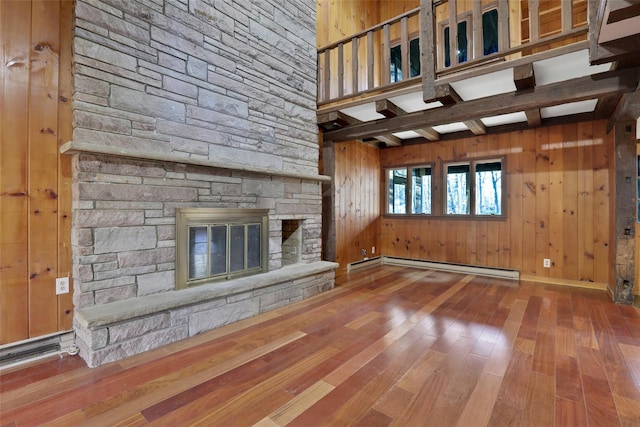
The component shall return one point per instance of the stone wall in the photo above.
(227, 80)
(186, 103)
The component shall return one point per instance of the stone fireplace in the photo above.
(182, 105)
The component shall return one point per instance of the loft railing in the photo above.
(383, 57)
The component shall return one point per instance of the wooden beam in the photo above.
(354, 65)
(624, 212)
(388, 108)
(335, 119)
(533, 117)
(389, 140)
(579, 89)
(524, 76)
(340, 70)
(476, 127)
(446, 94)
(628, 108)
(386, 55)
(427, 49)
(429, 133)
(534, 20)
(370, 60)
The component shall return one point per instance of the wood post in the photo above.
(624, 215)
(328, 202)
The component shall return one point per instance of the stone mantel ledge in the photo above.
(119, 311)
(80, 147)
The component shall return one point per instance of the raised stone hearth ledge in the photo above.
(80, 147)
(110, 332)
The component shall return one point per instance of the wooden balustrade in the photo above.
(361, 64)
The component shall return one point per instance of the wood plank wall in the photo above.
(558, 205)
(357, 201)
(35, 181)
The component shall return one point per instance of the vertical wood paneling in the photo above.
(35, 180)
(43, 157)
(65, 301)
(585, 203)
(357, 182)
(557, 204)
(14, 25)
(557, 192)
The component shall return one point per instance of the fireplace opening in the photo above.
(291, 241)
(220, 244)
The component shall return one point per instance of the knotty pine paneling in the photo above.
(358, 200)
(557, 205)
(35, 188)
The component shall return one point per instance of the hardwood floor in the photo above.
(388, 346)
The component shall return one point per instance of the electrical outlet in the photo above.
(373, 250)
(546, 263)
(62, 285)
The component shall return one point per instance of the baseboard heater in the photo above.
(502, 273)
(28, 350)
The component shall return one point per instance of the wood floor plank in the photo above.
(388, 346)
(569, 413)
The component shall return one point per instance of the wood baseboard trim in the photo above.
(564, 282)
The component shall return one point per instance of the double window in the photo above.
(471, 188)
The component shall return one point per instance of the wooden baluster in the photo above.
(404, 48)
(327, 75)
(453, 32)
(567, 15)
(476, 18)
(503, 25)
(534, 20)
(340, 70)
(370, 61)
(386, 55)
(354, 65)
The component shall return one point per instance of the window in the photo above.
(397, 191)
(488, 188)
(421, 190)
(458, 189)
(414, 60)
(409, 198)
(484, 192)
(464, 42)
(490, 31)
(219, 244)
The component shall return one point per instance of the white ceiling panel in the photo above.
(485, 85)
(565, 67)
(364, 112)
(411, 102)
(505, 119)
(570, 108)
(406, 134)
(451, 127)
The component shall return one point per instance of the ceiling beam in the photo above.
(524, 76)
(579, 89)
(476, 127)
(429, 133)
(335, 119)
(388, 109)
(533, 117)
(446, 94)
(389, 140)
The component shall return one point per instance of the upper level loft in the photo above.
(504, 65)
